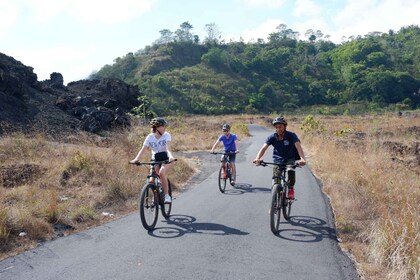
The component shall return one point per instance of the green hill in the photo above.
(182, 75)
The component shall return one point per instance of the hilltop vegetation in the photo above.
(180, 74)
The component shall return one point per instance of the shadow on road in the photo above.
(307, 229)
(241, 188)
(179, 225)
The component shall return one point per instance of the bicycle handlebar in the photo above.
(223, 153)
(152, 162)
(263, 163)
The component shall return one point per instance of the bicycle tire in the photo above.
(222, 179)
(148, 207)
(166, 207)
(275, 209)
(286, 205)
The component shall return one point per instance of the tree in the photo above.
(213, 33)
(166, 36)
(184, 33)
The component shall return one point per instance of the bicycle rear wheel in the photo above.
(275, 208)
(222, 178)
(286, 205)
(166, 207)
(148, 207)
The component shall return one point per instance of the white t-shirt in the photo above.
(157, 145)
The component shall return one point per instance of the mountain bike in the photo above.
(152, 197)
(280, 201)
(225, 171)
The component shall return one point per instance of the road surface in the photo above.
(209, 235)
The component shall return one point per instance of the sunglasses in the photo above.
(225, 130)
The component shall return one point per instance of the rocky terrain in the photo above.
(28, 105)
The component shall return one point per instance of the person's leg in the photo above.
(163, 173)
(232, 159)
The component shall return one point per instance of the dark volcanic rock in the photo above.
(27, 104)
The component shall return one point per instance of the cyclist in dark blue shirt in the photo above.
(286, 150)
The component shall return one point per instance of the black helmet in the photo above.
(156, 122)
(226, 127)
(279, 120)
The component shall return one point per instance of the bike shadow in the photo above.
(307, 229)
(178, 225)
(242, 188)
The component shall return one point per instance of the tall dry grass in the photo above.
(374, 188)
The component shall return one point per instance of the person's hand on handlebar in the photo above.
(134, 161)
(302, 162)
(257, 161)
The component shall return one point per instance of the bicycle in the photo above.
(280, 201)
(152, 197)
(225, 171)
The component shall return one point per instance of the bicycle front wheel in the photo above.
(148, 207)
(275, 208)
(286, 205)
(166, 207)
(222, 178)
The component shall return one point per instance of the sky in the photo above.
(78, 37)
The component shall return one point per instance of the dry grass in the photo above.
(371, 173)
(369, 166)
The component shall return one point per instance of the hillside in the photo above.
(28, 105)
(282, 74)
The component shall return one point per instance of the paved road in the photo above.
(209, 236)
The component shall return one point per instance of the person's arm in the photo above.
(302, 160)
(237, 145)
(168, 150)
(260, 154)
(139, 154)
(214, 146)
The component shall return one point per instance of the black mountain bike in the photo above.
(280, 202)
(152, 197)
(225, 171)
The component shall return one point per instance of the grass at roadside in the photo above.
(369, 166)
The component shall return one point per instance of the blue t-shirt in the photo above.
(283, 150)
(229, 143)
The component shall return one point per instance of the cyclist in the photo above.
(231, 144)
(158, 141)
(283, 142)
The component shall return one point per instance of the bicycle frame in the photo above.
(152, 196)
(225, 171)
(279, 200)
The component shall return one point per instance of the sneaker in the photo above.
(232, 183)
(168, 198)
(291, 194)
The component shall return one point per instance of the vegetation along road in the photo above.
(209, 235)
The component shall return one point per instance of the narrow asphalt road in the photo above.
(209, 235)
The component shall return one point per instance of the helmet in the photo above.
(156, 122)
(226, 126)
(279, 120)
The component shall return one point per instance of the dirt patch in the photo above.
(17, 175)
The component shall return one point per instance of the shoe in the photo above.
(232, 183)
(168, 198)
(291, 194)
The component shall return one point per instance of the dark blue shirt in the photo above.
(283, 150)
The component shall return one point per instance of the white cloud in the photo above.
(263, 3)
(103, 11)
(8, 15)
(306, 8)
(362, 17)
(260, 32)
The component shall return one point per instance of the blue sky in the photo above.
(76, 37)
